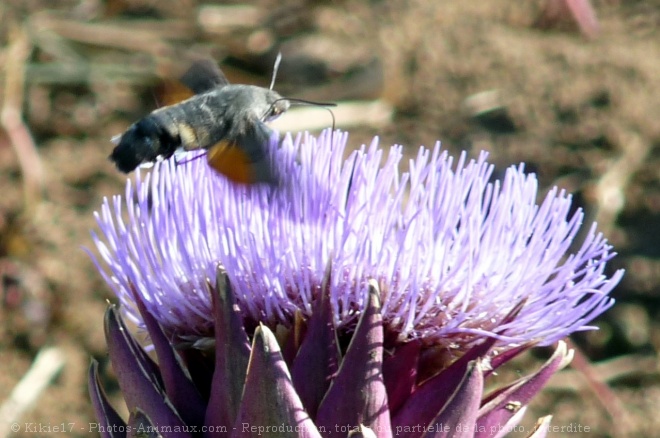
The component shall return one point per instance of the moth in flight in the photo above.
(227, 120)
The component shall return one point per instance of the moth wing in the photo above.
(204, 75)
(171, 91)
(245, 159)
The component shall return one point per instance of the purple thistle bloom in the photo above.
(452, 251)
(442, 258)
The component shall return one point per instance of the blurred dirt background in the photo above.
(579, 104)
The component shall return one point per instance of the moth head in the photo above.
(278, 106)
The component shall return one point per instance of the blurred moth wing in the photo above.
(246, 162)
(231, 161)
(204, 75)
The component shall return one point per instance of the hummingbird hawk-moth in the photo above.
(227, 120)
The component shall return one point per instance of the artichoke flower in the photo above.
(351, 299)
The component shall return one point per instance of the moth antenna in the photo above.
(275, 68)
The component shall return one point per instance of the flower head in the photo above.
(391, 277)
(452, 251)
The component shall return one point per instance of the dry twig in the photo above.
(18, 133)
(603, 393)
(48, 363)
